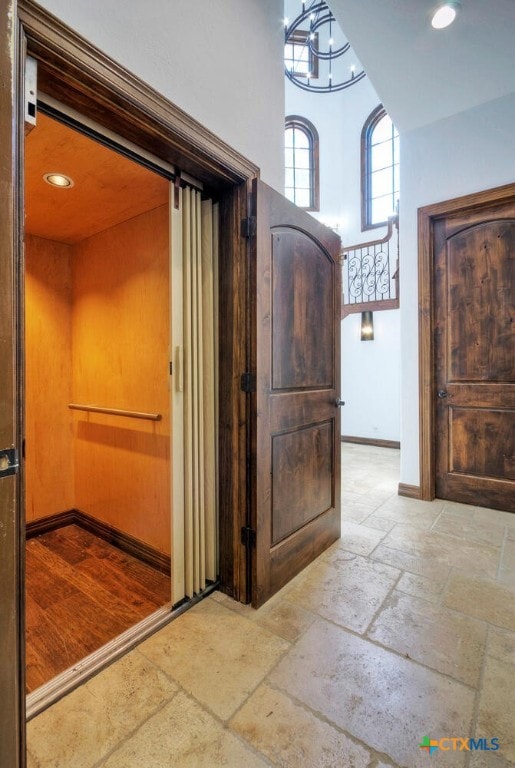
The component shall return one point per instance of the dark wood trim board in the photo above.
(411, 491)
(123, 541)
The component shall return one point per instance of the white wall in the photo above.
(371, 377)
(221, 62)
(370, 370)
(465, 153)
(338, 118)
(424, 75)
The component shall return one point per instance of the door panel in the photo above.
(485, 439)
(480, 295)
(475, 356)
(302, 319)
(303, 473)
(296, 494)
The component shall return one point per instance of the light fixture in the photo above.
(367, 326)
(316, 34)
(58, 180)
(445, 14)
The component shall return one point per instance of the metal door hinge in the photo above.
(248, 536)
(248, 227)
(176, 193)
(248, 382)
(9, 464)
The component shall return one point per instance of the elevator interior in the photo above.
(96, 345)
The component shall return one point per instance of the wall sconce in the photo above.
(367, 326)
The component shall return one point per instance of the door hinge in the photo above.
(176, 193)
(9, 464)
(248, 536)
(248, 227)
(248, 382)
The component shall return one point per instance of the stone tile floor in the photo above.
(404, 628)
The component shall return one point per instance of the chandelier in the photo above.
(314, 51)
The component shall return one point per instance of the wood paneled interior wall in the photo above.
(48, 378)
(114, 468)
(121, 327)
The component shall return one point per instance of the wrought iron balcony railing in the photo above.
(371, 273)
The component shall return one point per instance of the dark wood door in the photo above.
(296, 442)
(474, 304)
(12, 686)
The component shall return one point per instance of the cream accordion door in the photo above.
(194, 395)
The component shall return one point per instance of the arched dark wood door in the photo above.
(474, 304)
(296, 421)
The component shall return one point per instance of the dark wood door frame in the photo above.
(12, 677)
(79, 75)
(427, 216)
(75, 73)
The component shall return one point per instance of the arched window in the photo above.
(379, 169)
(301, 163)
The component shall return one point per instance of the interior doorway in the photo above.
(97, 396)
(73, 72)
(466, 354)
(474, 359)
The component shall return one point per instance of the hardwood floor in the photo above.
(81, 592)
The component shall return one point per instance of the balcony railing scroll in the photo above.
(371, 273)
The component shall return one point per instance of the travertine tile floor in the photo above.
(405, 628)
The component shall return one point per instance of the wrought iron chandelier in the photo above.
(315, 50)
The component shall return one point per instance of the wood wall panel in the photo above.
(121, 360)
(48, 431)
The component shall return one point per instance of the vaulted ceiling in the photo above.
(423, 75)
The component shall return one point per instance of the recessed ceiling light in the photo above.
(444, 15)
(58, 180)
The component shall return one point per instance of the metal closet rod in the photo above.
(116, 412)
